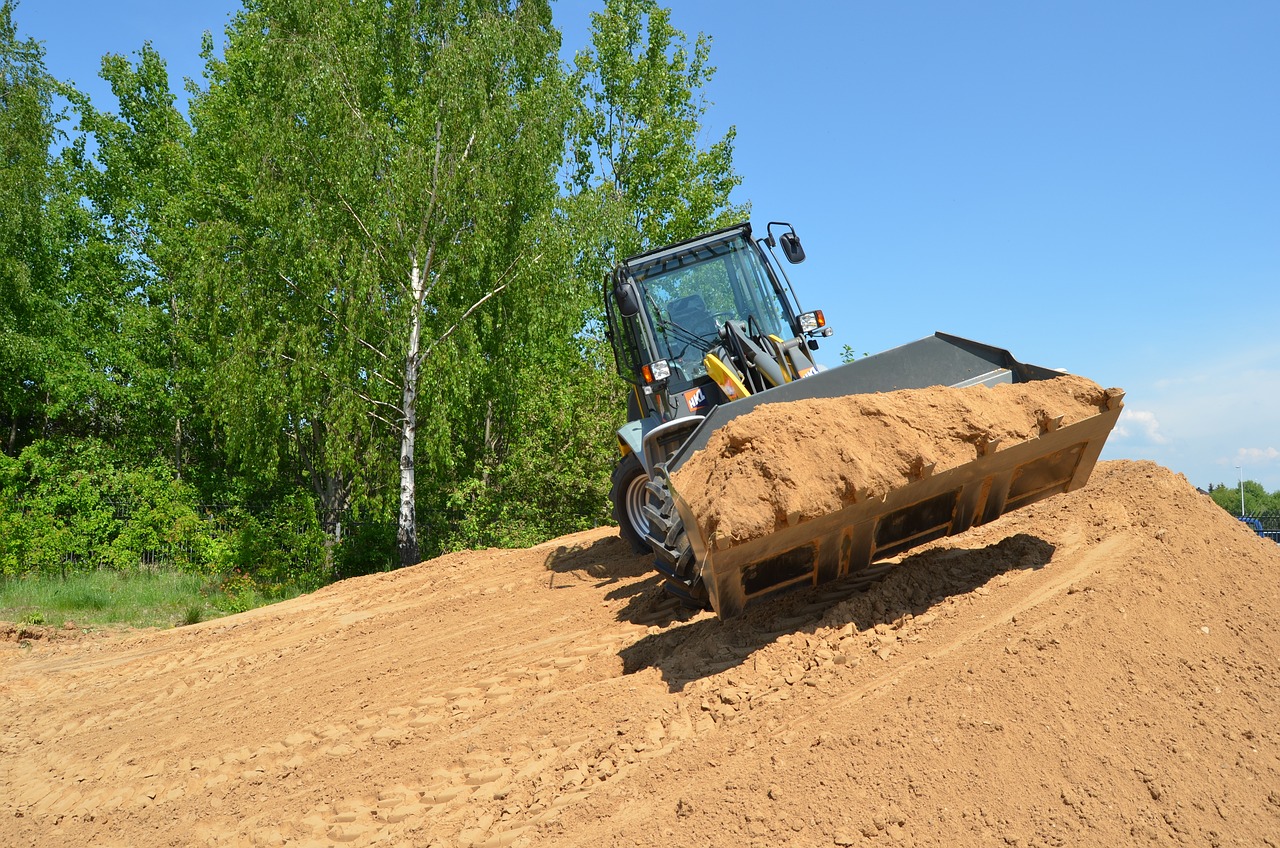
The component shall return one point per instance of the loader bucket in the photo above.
(836, 544)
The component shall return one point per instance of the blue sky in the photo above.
(1093, 185)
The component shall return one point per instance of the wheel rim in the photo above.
(635, 500)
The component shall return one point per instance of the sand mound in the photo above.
(807, 458)
(1100, 668)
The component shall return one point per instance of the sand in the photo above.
(1101, 668)
(787, 462)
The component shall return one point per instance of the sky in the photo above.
(1093, 185)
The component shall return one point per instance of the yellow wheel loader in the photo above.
(707, 329)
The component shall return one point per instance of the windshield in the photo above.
(692, 293)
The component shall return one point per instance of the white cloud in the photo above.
(1205, 417)
(1139, 422)
(1257, 456)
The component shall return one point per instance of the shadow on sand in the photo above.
(603, 562)
(704, 645)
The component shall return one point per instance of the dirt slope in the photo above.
(1102, 668)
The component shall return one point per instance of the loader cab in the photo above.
(672, 311)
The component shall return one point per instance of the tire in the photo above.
(628, 495)
(673, 557)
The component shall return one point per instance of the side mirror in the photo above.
(791, 248)
(628, 299)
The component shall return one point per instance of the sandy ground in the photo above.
(1102, 668)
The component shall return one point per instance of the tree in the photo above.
(637, 176)
(635, 135)
(29, 248)
(372, 173)
(549, 401)
(59, 305)
(360, 268)
(1256, 499)
(136, 184)
(77, 355)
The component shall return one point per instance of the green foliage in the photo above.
(635, 133)
(384, 227)
(237, 592)
(136, 192)
(848, 354)
(548, 403)
(367, 547)
(1257, 501)
(88, 310)
(284, 546)
(82, 507)
(369, 171)
(85, 508)
(637, 176)
(31, 332)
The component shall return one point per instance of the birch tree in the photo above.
(372, 175)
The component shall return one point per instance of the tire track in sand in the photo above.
(1057, 582)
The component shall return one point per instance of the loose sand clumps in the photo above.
(1096, 669)
(811, 457)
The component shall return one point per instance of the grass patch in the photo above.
(102, 598)
(193, 615)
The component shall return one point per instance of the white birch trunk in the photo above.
(407, 527)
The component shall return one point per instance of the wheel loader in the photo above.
(708, 329)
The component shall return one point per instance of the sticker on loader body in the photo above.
(698, 400)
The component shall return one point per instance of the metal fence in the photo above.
(1265, 524)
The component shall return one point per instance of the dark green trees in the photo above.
(364, 275)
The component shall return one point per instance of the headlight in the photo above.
(656, 371)
(812, 321)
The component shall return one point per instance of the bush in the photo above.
(283, 546)
(367, 547)
(82, 508)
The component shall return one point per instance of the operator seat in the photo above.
(690, 312)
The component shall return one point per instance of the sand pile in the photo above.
(800, 460)
(1100, 668)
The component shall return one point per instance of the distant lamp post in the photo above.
(1240, 473)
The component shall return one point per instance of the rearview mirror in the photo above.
(791, 248)
(628, 299)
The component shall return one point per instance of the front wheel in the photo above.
(628, 495)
